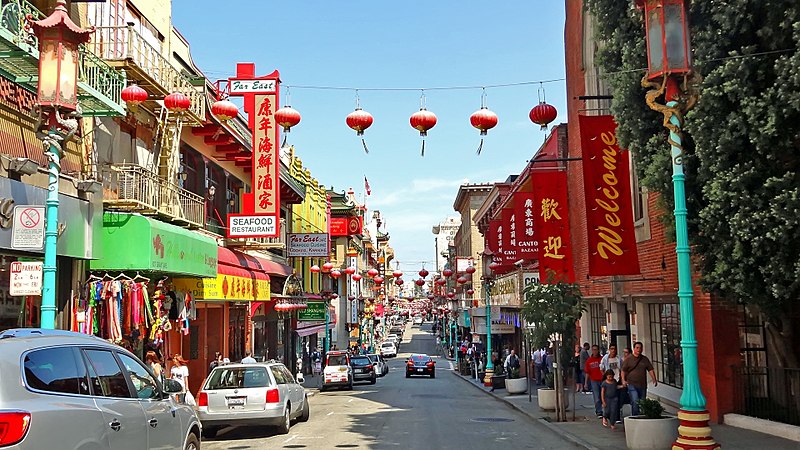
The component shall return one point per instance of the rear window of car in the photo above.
(58, 370)
(421, 358)
(360, 360)
(238, 378)
(387, 345)
(337, 360)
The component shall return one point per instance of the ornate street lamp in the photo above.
(670, 72)
(487, 283)
(59, 38)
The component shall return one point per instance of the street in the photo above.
(397, 412)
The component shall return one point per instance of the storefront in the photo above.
(79, 224)
(145, 255)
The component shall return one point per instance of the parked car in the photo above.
(420, 364)
(65, 390)
(338, 371)
(251, 394)
(363, 369)
(388, 349)
(381, 368)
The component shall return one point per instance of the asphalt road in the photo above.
(415, 413)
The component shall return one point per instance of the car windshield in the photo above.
(337, 360)
(360, 361)
(421, 358)
(387, 345)
(238, 378)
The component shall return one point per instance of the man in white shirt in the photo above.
(248, 359)
(538, 359)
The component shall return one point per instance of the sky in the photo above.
(388, 44)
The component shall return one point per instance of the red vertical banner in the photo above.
(607, 187)
(527, 244)
(512, 231)
(491, 236)
(551, 221)
(265, 156)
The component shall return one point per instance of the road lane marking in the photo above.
(290, 439)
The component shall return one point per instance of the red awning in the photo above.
(236, 258)
(311, 330)
(231, 262)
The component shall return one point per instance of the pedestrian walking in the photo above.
(216, 362)
(634, 376)
(611, 361)
(511, 362)
(583, 357)
(610, 391)
(180, 373)
(248, 358)
(538, 364)
(154, 363)
(594, 378)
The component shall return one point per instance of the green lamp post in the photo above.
(669, 63)
(59, 39)
(487, 285)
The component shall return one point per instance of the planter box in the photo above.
(547, 398)
(498, 381)
(517, 385)
(650, 434)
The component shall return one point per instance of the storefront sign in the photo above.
(314, 312)
(552, 225)
(158, 247)
(478, 326)
(527, 245)
(225, 288)
(260, 208)
(505, 291)
(26, 278)
(530, 278)
(607, 187)
(513, 231)
(463, 263)
(345, 226)
(28, 227)
(308, 244)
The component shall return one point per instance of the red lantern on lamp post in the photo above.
(225, 110)
(667, 31)
(134, 96)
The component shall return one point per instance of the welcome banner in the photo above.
(607, 186)
(552, 225)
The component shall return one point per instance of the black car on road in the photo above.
(363, 369)
(420, 364)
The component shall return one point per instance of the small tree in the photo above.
(552, 310)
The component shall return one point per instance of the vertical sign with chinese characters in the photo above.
(352, 291)
(513, 232)
(527, 244)
(260, 216)
(551, 221)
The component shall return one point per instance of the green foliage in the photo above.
(513, 373)
(650, 408)
(550, 380)
(553, 309)
(742, 139)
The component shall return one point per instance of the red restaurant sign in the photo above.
(260, 215)
(345, 226)
(607, 185)
(552, 225)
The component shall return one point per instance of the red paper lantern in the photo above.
(542, 114)
(359, 120)
(470, 292)
(351, 297)
(334, 296)
(225, 110)
(399, 281)
(372, 273)
(357, 277)
(287, 117)
(350, 270)
(494, 266)
(335, 273)
(447, 273)
(315, 269)
(470, 269)
(461, 280)
(420, 282)
(441, 281)
(327, 267)
(451, 294)
(133, 96)
(423, 273)
(397, 274)
(177, 102)
(378, 280)
(484, 120)
(431, 296)
(422, 121)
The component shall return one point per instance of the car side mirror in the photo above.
(172, 386)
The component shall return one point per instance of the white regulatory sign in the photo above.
(252, 226)
(28, 228)
(26, 278)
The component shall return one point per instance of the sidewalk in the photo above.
(587, 431)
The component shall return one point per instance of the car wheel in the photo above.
(408, 375)
(306, 413)
(286, 423)
(373, 380)
(192, 443)
(433, 375)
(209, 432)
(350, 385)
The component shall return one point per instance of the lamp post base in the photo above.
(487, 377)
(694, 432)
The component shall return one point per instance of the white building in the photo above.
(445, 233)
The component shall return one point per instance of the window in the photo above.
(280, 377)
(665, 343)
(56, 370)
(752, 342)
(597, 332)
(288, 375)
(106, 375)
(143, 382)
(637, 192)
(237, 378)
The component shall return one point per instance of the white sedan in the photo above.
(388, 350)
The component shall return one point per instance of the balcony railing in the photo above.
(99, 85)
(124, 45)
(771, 393)
(134, 188)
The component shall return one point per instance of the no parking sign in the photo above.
(28, 228)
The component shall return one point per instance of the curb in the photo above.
(558, 430)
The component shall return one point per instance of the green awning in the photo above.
(134, 242)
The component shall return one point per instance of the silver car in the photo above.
(65, 390)
(251, 394)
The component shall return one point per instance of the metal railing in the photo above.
(125, 43)
(134, 188)
(771, 393)
(101, 77)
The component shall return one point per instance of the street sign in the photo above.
(27, 231)
(315, 312)
(26, 278)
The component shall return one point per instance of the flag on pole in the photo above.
(366, 186)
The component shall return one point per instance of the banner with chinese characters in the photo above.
(512, 231)
(607, 187)
(552, 225)
(490, 239)
(265, 157)
(527, 244)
